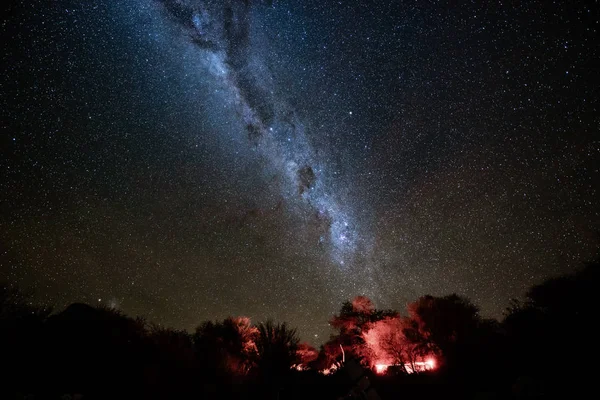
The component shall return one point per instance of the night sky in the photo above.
(188, 160)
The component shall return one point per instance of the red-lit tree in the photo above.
(226, 346)
(352, 321)
(306, 355)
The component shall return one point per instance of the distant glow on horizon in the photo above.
(381, 367)
(420, 366)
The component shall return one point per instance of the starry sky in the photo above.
(189, 160)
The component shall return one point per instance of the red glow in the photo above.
(381, 368)
(419, 366)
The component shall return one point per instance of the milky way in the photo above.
(222, 30)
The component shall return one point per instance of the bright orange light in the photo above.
(381, 368)
(329, 370)
(430, 363)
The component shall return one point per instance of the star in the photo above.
(229, 159)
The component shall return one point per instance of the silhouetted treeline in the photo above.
(546, 345)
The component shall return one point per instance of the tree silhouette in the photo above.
(443, 326)
(544, 345)
(96, 351)
(172, 366)
(276, 347)
(555, 330)
(225, 348)
(21, 325)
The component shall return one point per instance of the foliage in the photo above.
(227, 345)
(556, 327)
(543, 344)
(441, 325)
(354, 317)
(276, 347)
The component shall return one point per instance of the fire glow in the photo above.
(381, 368)
(417, 366)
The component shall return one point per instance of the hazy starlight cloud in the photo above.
(223, 31)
